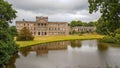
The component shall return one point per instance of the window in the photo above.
(38, 24)
(41, 24)
(38, 33)
(45, 33)
(42, 33)
(58, 28)
(49, 28)
(45, 24)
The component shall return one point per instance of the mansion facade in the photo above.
(41, 27)
(84, 28)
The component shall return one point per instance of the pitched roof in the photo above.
(58, 22)
(25, 21)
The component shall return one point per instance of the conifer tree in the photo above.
(25, 35)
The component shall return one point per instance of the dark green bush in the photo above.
(117, 31)
(110, 39)
(117, 38)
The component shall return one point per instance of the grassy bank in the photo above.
(46, 39)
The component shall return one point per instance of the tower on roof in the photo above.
(41, 18)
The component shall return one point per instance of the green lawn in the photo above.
(45, 39)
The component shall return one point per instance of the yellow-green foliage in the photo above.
(45, 39)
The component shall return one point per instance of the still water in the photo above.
(67, 54)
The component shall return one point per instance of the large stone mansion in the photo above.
(41, 27)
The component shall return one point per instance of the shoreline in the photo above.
(49, 39)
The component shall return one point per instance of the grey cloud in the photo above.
(50, 6)
(56, 10)
(82, 15)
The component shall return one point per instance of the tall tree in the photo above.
(109, 10)
(7, 45)
(101, 27)
(13, 31)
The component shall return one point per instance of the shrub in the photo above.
(117, 31)
(110, 39)
(117, 38)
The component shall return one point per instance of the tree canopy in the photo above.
(109, 10)
(25, 35)
(80, 23)
(7, 45)
(76, 23)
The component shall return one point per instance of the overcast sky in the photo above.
(56, 10)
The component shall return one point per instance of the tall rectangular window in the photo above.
(38, 33)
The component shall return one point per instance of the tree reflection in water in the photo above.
(25, 51)
(11, 63)
(102, 46)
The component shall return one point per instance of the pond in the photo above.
(67, 54)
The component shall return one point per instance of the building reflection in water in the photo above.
(75, 43)
(62, 45)
(44, 48)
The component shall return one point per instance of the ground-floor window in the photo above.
(45, 33)
(38, 33)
